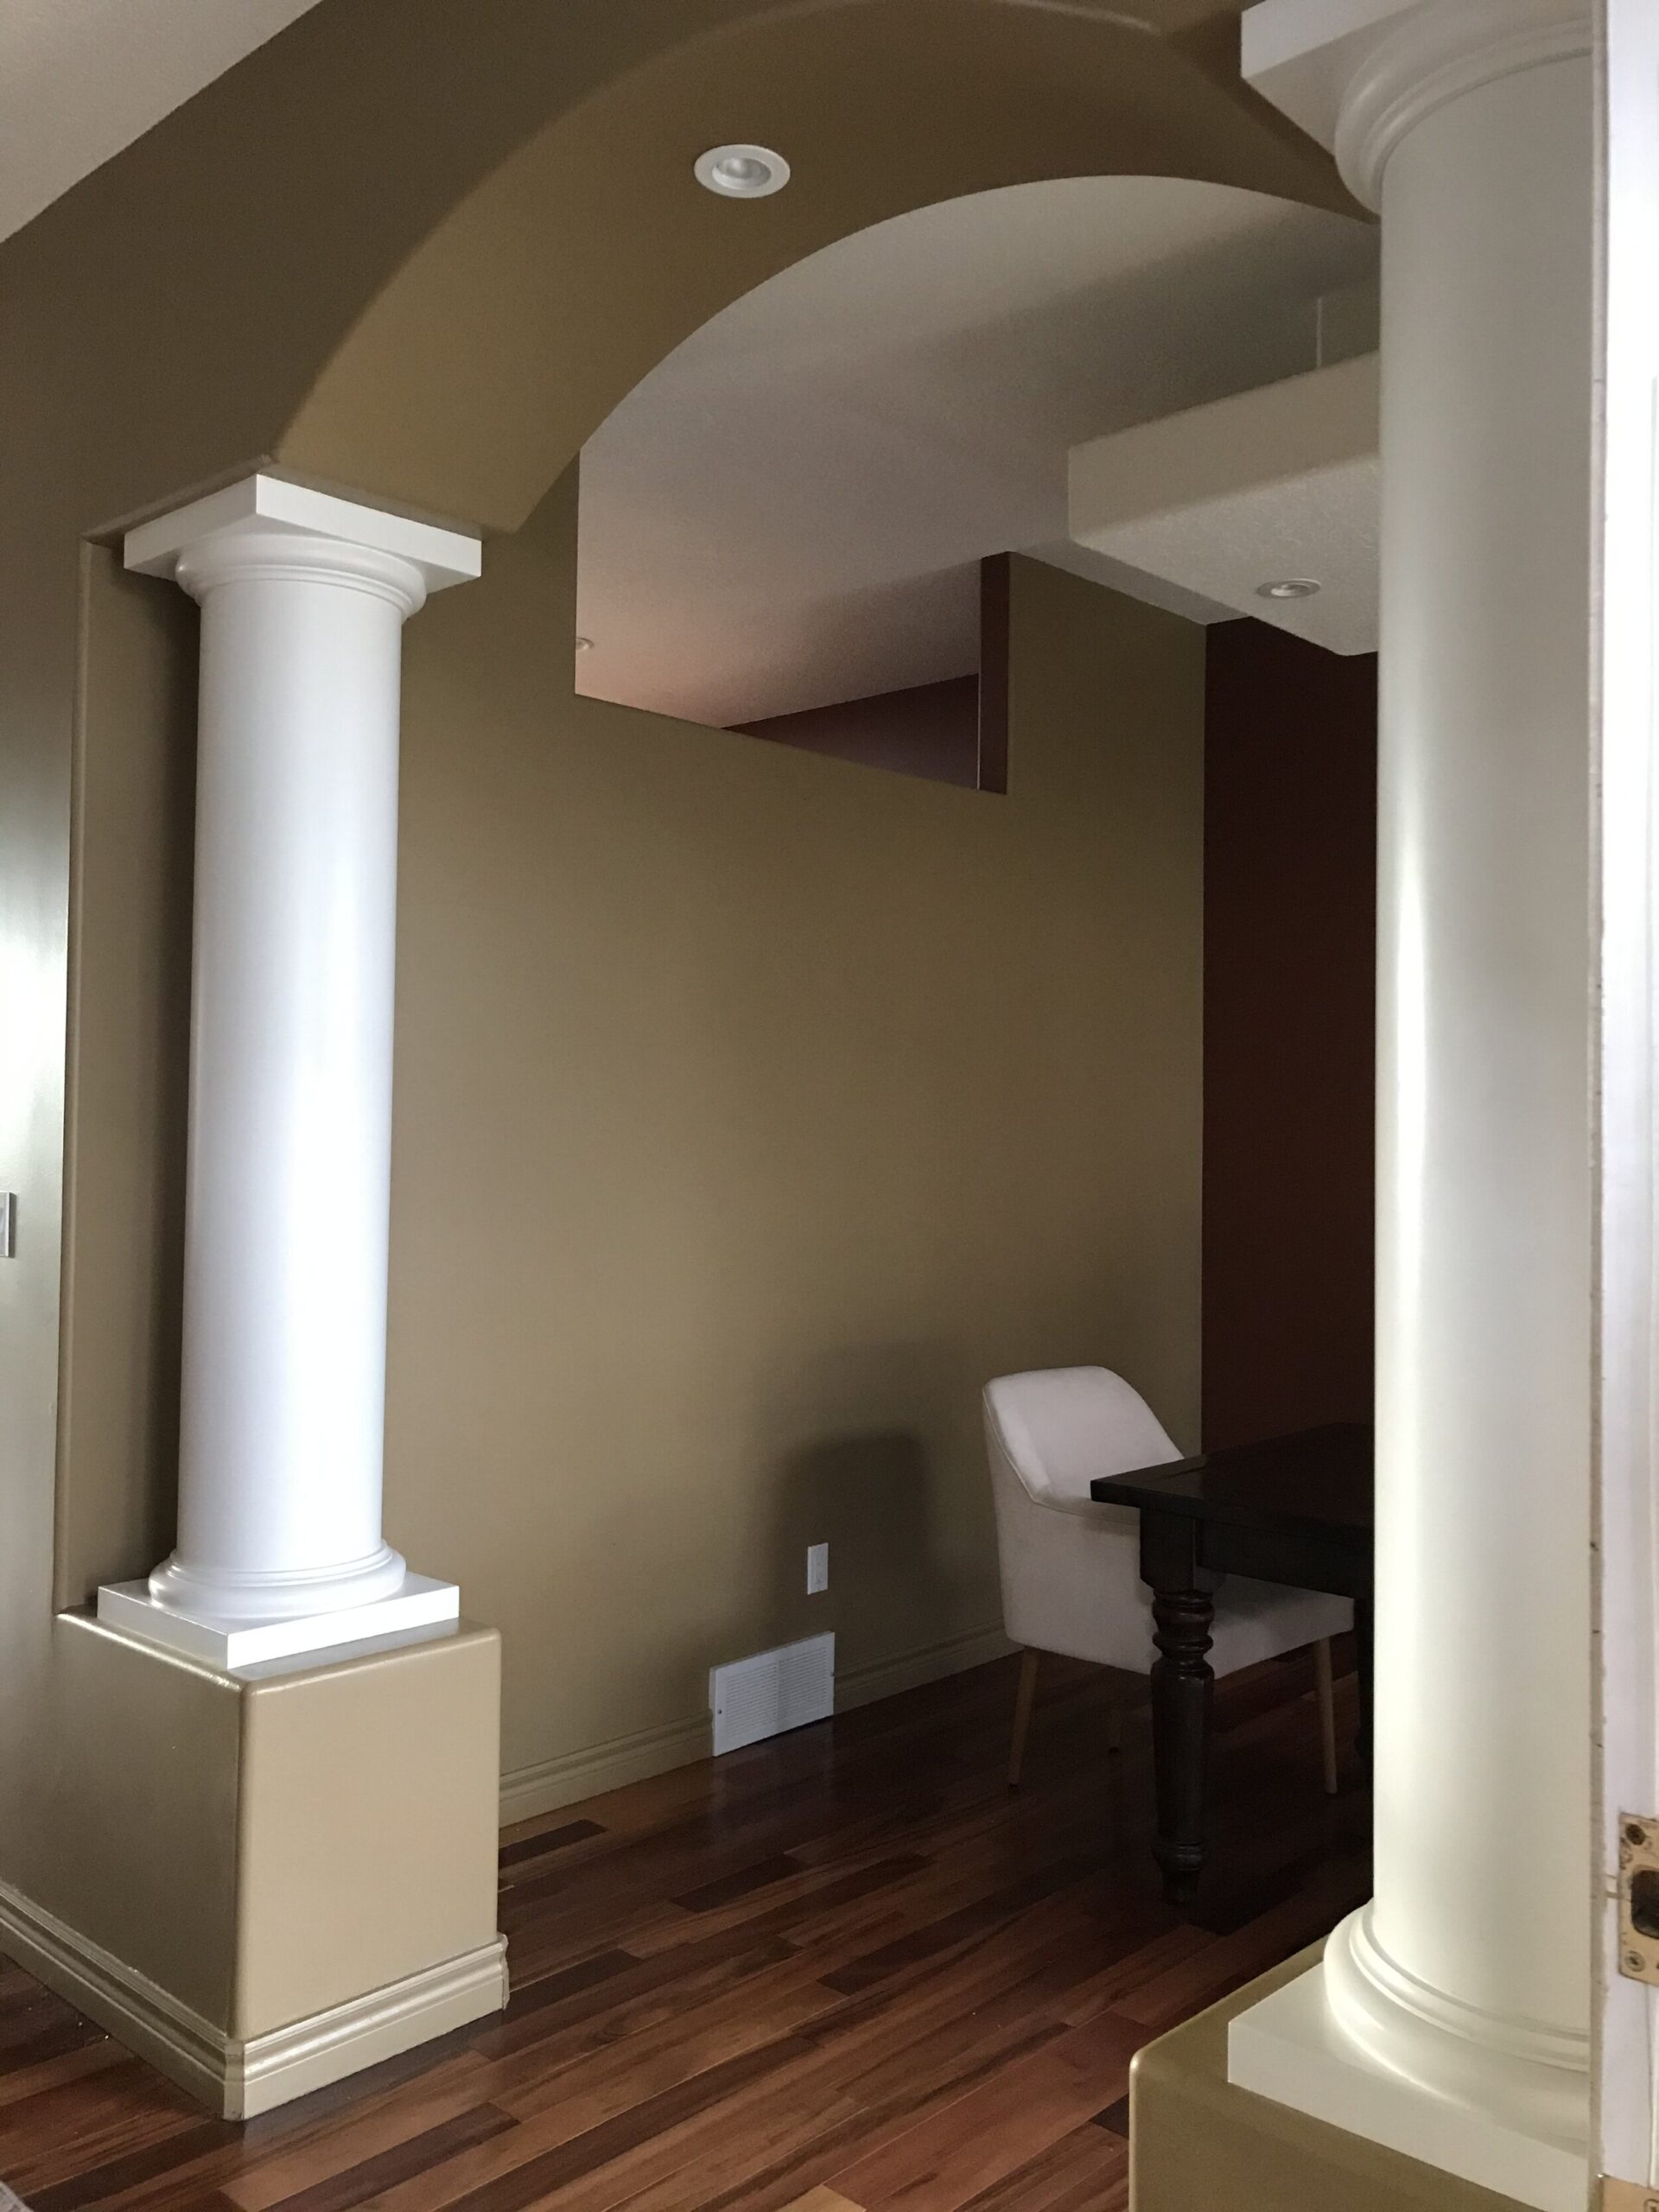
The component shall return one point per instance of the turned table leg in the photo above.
(1183, 1692)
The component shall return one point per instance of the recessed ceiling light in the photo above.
(743, 172)
(1287, 587)
(584, 644)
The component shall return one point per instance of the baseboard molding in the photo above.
(273, 2069)
(236, 2078)
(529, 1792)
(911, 1670)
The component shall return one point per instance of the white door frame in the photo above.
(1625, 720)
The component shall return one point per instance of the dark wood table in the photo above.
(1296, 1509)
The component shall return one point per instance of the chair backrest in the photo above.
(1058, 1427)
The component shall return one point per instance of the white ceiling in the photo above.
(1279, 483)
(81, 79)
(791, 508)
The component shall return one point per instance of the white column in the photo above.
(1451, 2017)
(304, 597)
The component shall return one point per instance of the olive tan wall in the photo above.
(752, 1109)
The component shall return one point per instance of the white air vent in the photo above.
(772, 1692)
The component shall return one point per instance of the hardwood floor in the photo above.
(846, 1971)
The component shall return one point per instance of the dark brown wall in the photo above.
(928, 730)
(1290, 941)
(955, 732)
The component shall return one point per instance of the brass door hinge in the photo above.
(1627, 2195)
(1638, 1904)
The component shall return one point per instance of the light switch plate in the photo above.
(817, 1569)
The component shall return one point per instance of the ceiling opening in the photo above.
(791, 511)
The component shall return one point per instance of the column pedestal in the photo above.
(280, 1876)
(1450, 2019)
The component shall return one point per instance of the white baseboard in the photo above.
(273, 2069)
(237, 2078)
(529, 1792)
(910, 1670)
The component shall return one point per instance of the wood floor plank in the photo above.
(946, 2160)
(1073, 2175)
(76, 2065)
(1115, 2119)
(766, 1874)
(286, 2170)
(116, 2177)
(429, 2153)
(547, 1840)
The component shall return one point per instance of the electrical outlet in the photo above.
(817, 1569)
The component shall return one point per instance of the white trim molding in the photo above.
(236, 2077)
(1626, 644)
(912, 1671)
(1358, 74)
(1290, 2049)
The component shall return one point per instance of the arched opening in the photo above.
(936, 1067)
(471, 378)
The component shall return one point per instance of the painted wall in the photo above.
(1289, 1009)
(753, 1109)
(928, 730)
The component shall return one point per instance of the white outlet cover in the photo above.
(817, 1569)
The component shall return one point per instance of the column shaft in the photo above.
(290, 1089)
(1483, 1324)
(1451, 2017)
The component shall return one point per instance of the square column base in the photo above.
(267, 1880)
(1287, 2048)
(421, 1603)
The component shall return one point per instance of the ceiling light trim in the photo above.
(729, 172)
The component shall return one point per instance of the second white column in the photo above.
(1450, 2019)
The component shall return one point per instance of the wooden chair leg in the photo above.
(1324, 1686)
(1024, 1698)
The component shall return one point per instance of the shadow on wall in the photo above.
(874, 1494)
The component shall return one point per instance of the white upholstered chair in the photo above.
(1071, 1569)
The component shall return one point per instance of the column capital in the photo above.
(1357, 74)
(264, 526)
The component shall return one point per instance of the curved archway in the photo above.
(474, 375)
